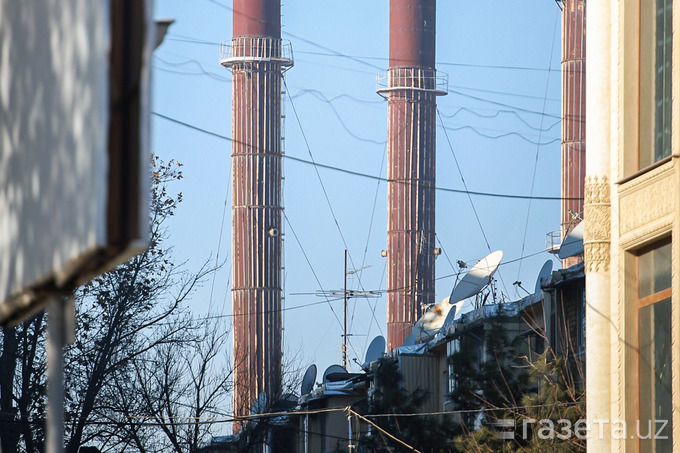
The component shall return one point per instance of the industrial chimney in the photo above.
(410, 86)
(573, 116)
(257, 58)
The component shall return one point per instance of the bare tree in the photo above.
(137, 353)
(175, 392)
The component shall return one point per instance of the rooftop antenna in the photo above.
(573, 243)
(519, 285)
(308, 380)
(346, 294)
(375, 351)
(432, 320)
(544, 274)
(333, 369)
(477, 278)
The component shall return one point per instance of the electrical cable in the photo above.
(309, 263)
(474, 210)
(370, 224)
(342, 122)
(496, 137)
(192, 61)
(323, 187)
(498, 113)
(320, 96)
(365, 175)
(538, 148)
(219, 240)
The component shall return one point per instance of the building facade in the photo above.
(632, 226)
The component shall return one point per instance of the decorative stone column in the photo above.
(598, 225)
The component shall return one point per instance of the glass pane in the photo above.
(664, 46)
(662, 268)
(655, 378)
(656, 55)
(654, 271)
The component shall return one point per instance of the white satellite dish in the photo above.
(332, 370)
(454, 314)
(308, 380)
(375, 350)
(572, 244)
(543, 275)
(432, 320)
(477, 277)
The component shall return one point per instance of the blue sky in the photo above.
(502, 118)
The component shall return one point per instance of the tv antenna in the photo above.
(346, 294)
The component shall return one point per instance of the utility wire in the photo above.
(184, 420)
(172, 36)
(497, 114)
(538, 148)
(365, 175)
(296, 307)
(479, 131)
(368, 239)
(474, 210)
(219, 240)
(316, 169)
(462, 178)
(379, 428)
(323, 187)
(309, 263)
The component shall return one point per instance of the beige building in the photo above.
(632, 226)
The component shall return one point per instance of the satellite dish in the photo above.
(375, 350)
(410, 340)
(454, 313)
(308, 380)
(545, 272)
(260, 405)
(432, 320)
(572, 244)
(459, 308)
(331, 370)
(477, 277)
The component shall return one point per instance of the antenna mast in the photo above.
(344, 328)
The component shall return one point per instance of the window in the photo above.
(654, 345)
(452, 347)
(656, 51)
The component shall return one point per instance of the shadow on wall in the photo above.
(53, 134)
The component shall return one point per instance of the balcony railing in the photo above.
(247, 48)
(419, 79)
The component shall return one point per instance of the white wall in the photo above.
(53, 136)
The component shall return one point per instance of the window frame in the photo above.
(646, 67)
(643, 302)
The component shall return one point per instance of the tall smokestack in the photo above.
(573, 115)
(411, 87)
(257, 58)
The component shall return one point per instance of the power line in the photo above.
(365, 175)
(360, 60)
(335, 54)
(462, 178)
(321, 97)
(538, 148)
(497, 114)
(316, 169)
(316, 277)
(323, 187)
(368, 238)
(496, 137)
(474, 210)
